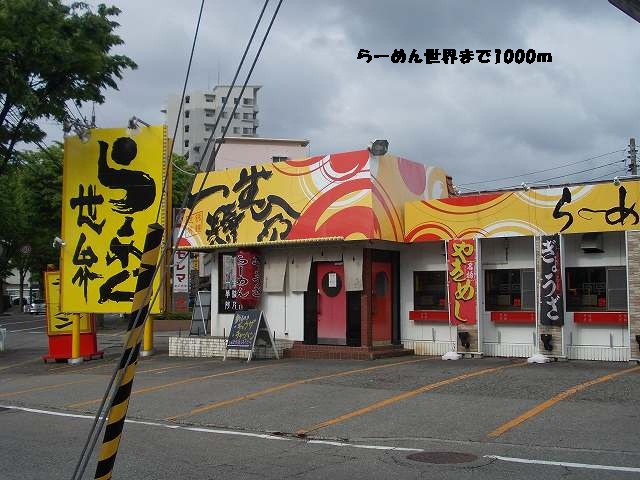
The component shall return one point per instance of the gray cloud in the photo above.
(476, 121)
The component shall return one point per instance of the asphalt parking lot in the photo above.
(205, 418)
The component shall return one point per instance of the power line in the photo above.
(183, 171)
(184, 89)
(100, 416)
(543, 170)
(578, 172)
(610, 174)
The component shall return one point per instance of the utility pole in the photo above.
(633, 164)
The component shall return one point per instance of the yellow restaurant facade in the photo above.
(364, 256)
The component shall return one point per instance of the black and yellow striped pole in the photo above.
(129, 360)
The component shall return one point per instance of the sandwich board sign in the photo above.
(201, 314)
(247, 328)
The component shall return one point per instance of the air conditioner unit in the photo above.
(592, 243)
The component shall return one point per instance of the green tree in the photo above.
(51, 54)
(183, 174)
(9, 214)
(41, 187)
(30, 213)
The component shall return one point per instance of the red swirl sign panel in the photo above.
(462, 278)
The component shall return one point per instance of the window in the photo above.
(247, 101)
(247, 131)
(186, 99)
(430, 290)
(186, 114)
(186, 144)
(209, 113)
(224, 99)
(236, 115)
(247, 116)
(224, 115)
(208, 127)
(509, 289)
(209, 98)
(186, 128)
(236, 129)
(235, 101)
(596, 289)
(279, 159)
(227, 283)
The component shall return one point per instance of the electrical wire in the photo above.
(184, 89)
(610, 174)
(41, 144)
(100, 416)
(545, 180)
(183, 171)
(521, 175)
(576, 173)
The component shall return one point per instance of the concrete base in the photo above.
(75, 361)
(147, 353)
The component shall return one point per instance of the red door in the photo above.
(332, 304)
(381, 302)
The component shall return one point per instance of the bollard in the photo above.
(147, 344)
(75, 359)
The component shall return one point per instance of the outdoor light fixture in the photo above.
(83, 135)
(79, 128)
(465, 339)
(59, 242)
(133, 125)
(616, 181)
(525, 187)
(135, 121)
(378, 147)
(546, 341)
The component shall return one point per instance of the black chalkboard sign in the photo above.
(244, 329)
(247, 327)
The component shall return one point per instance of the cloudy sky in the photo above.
(478, 121)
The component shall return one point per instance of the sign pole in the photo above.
(129, 360)
(147, 344)
(75, 359)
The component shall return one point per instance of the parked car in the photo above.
(37, 307)
(16, 301)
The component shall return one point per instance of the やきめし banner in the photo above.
(462, 281)
(112, 188)
(577, 209)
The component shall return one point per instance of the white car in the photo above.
(37, 307)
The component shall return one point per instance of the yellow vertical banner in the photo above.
(58, 321)
(112, 190)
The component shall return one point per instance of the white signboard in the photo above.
(181, 272)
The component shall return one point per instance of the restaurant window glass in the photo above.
(509, 289)
(595, 289)
(430, 290)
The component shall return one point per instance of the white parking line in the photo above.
(26, 329)
(564, 464)
(2, 324)
(173, 426)
(368, 447)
